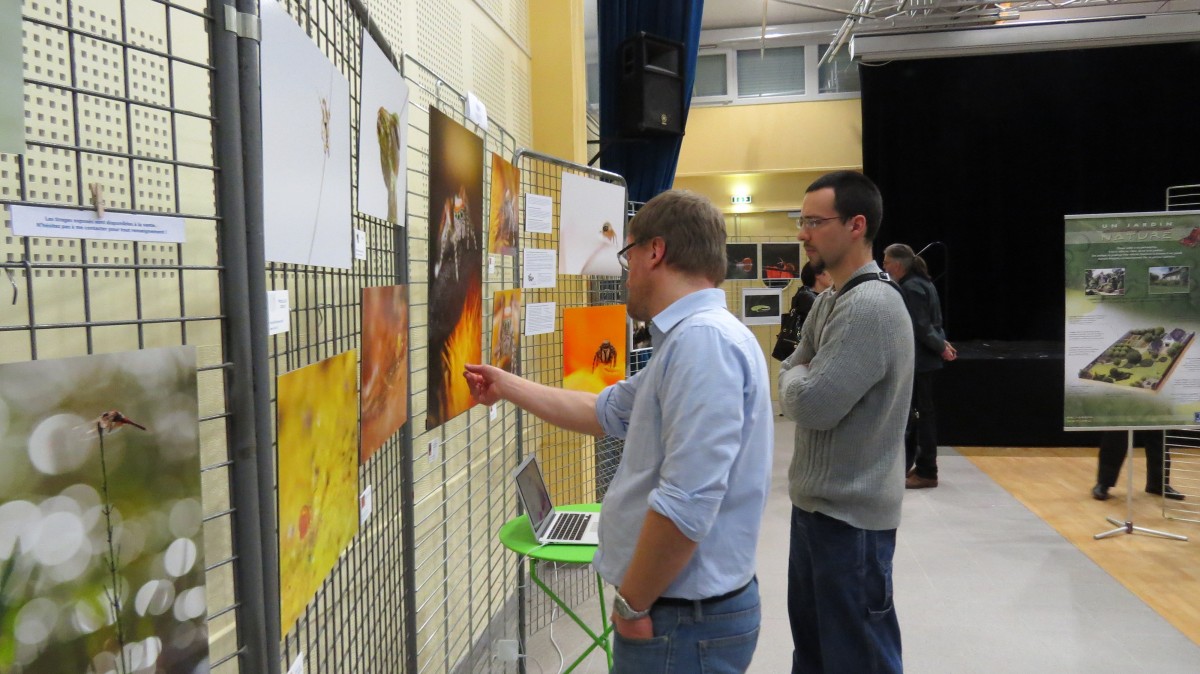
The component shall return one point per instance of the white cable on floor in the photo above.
(535, 661)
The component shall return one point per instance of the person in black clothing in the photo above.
(812, 284)
(925, 309)
(1113, 446)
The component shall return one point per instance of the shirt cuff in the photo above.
(607, 416)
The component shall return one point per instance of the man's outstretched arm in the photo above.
(572, 410)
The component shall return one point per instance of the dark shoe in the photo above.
(1100, 492)
(1168, 492)
(915, 481)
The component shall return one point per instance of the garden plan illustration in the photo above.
(1141, 358)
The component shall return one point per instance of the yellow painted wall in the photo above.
(779, 191)
(559, 78)
(815, 136)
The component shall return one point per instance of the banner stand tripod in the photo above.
(1127, 526)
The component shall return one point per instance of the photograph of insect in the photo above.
(605, 355)
(594, 346)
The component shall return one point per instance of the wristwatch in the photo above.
(623, 609)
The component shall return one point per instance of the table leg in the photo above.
(600, 640)
(604, 619)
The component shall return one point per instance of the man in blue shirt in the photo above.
(681, 518)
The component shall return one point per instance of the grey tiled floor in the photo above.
(983, 586)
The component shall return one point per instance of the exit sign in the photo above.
(740, 201)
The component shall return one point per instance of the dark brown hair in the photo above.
(853, 194)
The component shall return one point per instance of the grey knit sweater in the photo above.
(847, 387)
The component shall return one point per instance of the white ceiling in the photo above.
(744, 13)
(922, 20)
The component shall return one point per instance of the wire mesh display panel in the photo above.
(1182, 447)
(1182, 454)
(577, 468)
(462, 487)
(357, 621)
(1183, 198)
(118, 93)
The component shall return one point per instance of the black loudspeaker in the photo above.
(650, 87)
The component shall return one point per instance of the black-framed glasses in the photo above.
(623, 255)
(813, 223)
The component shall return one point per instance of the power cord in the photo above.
(562, 660)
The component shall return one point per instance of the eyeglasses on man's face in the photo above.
(623, 255)
(813, 222)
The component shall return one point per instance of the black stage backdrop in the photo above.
(986, 154)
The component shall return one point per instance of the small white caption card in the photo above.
(539, 214)
(476, 111)
(539, 268)
(360, 244)
(278, 308)
(66, 223)
(365, 506)
(539, 318)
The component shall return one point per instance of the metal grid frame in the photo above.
(360, 618)
(119, 94)
(461, 574)
(428, 557)
(1181, 448)
(577, 468)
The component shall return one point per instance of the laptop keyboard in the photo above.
(569, 526)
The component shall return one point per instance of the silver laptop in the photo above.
(550, 525)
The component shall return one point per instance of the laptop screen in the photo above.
(533, 493)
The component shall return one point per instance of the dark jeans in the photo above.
(717, 637)
(920, 439)
(1113, 446)
(840, 598)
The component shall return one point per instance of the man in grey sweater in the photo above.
(847, 387)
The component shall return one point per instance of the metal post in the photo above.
(249, 84)
(241, 435)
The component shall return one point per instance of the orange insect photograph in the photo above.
(384, 392)
(506, 188)
(318, 477)
(506, 329)
(594, 347)
(455, 265)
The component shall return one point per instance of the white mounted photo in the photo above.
(383, 136)
(761, 306)
(306, 148)
(591, 226)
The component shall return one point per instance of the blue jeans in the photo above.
(712, 638)
(840, 598)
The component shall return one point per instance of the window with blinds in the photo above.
(775, 72)
(711, 76)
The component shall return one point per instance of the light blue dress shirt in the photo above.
(698, 430)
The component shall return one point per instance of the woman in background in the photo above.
(925, 310)
(812, 284)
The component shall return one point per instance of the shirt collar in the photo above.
(709, 298)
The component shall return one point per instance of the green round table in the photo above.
(517, 535)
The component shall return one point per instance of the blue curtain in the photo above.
(647, 165)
